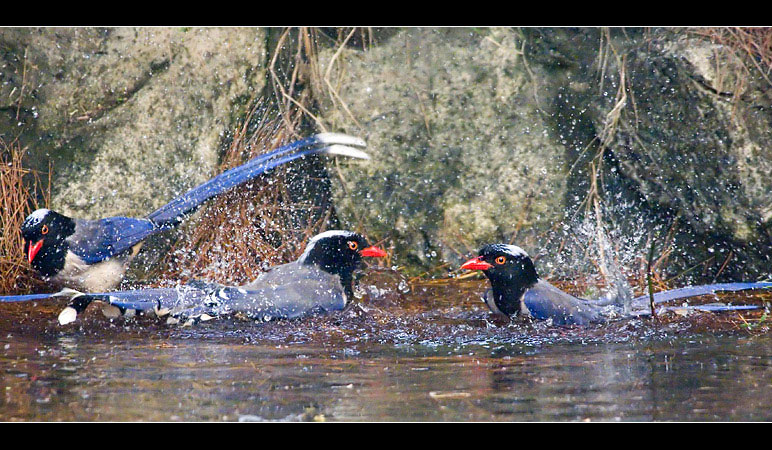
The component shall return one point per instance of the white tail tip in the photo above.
(340, 138)
(342, 150)
(68, 315)
(67, 292)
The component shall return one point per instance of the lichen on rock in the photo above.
(459, 148)
(129, 117)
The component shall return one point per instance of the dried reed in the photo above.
(20, 191)
(240, 234)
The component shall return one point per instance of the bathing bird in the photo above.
(517, 290)
(93, 255)
(320, 280)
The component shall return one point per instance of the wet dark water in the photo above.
(411, 358)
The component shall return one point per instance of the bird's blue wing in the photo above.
(331, 143)
(97, 240)
(544, 301)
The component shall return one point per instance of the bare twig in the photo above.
(20, 190)
(649, 279)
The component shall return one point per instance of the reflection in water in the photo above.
(382, 360)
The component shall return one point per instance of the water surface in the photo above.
(406, 357)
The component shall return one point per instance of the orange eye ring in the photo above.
(353, 245)
(44, 230)
(501, 260)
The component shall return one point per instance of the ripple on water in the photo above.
(429, 354)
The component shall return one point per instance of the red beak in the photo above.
(373, 251)
(476, 264)
(33, 250)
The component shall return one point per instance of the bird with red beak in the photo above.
(517, 290)
(321, 280)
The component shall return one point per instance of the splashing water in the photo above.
(594, 247)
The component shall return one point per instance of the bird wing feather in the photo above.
(325, 143)
(96, 240)
(545, 301)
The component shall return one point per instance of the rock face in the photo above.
(461, 153)
(691, 141)
(487, 135)
(477, 135)
(129, 117)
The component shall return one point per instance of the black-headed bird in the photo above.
(320, 280)
(517, 290)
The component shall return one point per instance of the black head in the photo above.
(45, 233)
(510, 271)
(340, 253)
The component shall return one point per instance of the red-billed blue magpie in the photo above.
(320, 280)
(516, 289)
(92, 255)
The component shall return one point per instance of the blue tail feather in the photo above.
(139, 299)
(151, 298)
(24, 298)
(716, 308)
(68, 293)
(694, 291)
(171, 213)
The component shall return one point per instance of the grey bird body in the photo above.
(545, 301)
(288, 291)
(101, 276)
(105, 273)
(319, 281)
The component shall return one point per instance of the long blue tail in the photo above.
(24, 298)
(325, 143)
(715, 307)
(151, 298)
(694, 291)
(640, 304)
(68, 293)
(141, 299)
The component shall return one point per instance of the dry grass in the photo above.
(20, 189)
(752, 46)
(300, 81)
(240, 234)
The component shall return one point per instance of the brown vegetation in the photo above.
(239, 234)
(20, 191)
(753, 46)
